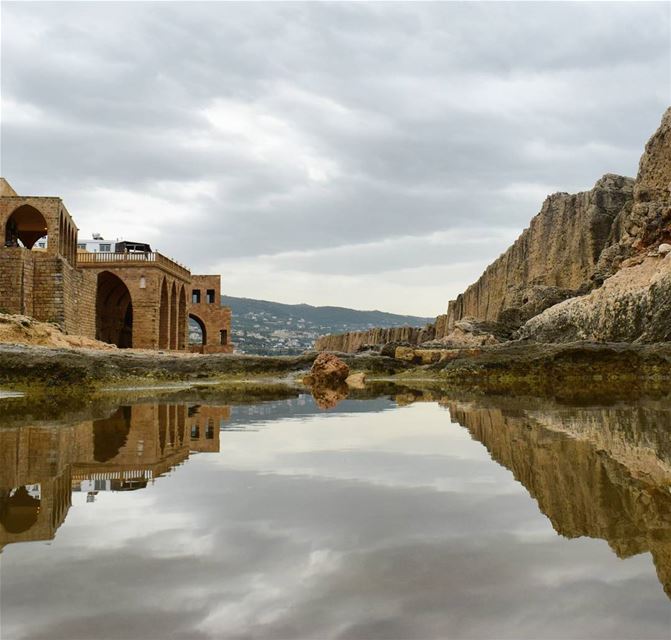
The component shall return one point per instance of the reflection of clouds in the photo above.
(339, 441)
(265, 541)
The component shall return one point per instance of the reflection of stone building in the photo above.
(131, 299)
(594, 484)
(41, 465)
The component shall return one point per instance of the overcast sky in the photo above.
(358, 154)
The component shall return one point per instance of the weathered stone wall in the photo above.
(16, 280)
(215, 319)
(352, 341)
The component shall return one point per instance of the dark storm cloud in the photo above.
(224, 131)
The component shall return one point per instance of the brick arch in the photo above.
(114, 310)
(163, 321)
(202, 326)
(173, 316)
(110, 434)
(181, 318)
(26, 224)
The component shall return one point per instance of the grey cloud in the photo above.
(418, 115)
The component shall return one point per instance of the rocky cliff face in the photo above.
(635, 303)
(354, 341)
(548, 285)
(554, 259)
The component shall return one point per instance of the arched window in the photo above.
(25, 227)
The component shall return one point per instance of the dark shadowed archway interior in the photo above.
(18, 510)
(114, 311)
(25, 227)
(110, 434)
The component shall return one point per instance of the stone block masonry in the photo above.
(214, 321)
(139, 299)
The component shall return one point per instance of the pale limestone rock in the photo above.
(356, 380)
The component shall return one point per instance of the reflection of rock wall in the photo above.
(583, 488)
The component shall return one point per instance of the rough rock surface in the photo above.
(354, 341)
(470, 332)
(555, 258)
(328, 369)
(16, 329)
(635, 303)
(356, 380)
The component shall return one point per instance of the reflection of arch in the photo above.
(111, 434)
(114, 311)
(162, 426)
(26, 225)
(19, 511)
(163, 317)
(173, 317)
(181, 320)
(197, 328)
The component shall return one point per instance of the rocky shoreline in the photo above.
(557, 370)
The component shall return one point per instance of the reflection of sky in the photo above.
(350, 525)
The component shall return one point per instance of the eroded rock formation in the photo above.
(635, 303)
(354, 341)
(554, 259)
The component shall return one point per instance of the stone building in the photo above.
(131, 299)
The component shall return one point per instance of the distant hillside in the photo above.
(264, 327)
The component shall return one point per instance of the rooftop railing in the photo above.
(151, 258)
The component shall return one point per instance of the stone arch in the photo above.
(111, 434)
(114, 311)
(25, 227)
(173, 316)
(181, 319)
(197, 326)
(163, 311)
(19, 510)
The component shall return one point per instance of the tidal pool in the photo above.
(381, 518)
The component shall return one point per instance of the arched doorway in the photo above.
(181, 320)
(114, 311)
(197, 331)
(111, 434)
(25, 227)
(163, 317)
(173, 317)
(19, 510)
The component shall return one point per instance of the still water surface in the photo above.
(375, 519)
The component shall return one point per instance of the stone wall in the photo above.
(48, 288)
(204, 304)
